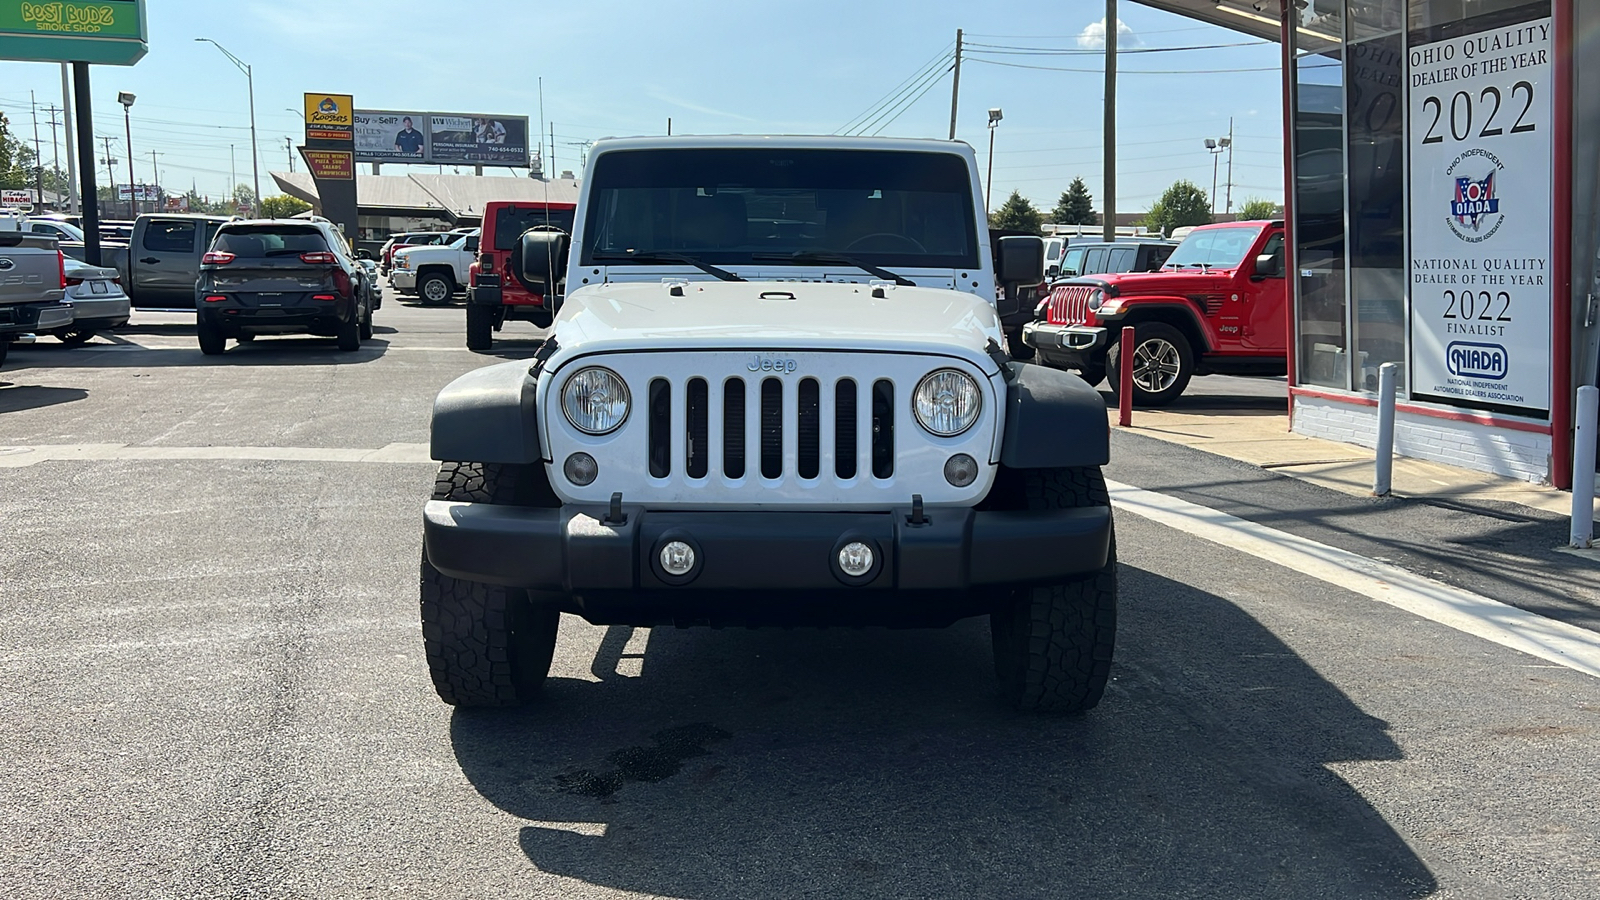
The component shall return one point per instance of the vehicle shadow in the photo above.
(286, 350)
(515, 347)
(18, 397)
(756, 763)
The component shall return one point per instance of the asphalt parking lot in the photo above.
(212, 685)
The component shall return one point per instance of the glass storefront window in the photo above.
(1375, 162)
(1319, 150)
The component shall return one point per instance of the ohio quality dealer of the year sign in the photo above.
(1481, 218)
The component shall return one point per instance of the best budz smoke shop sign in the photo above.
(102, 31)
(1481, 228)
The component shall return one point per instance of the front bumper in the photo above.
(1072, 342)
(780, 554)
(33, 317)
(403, 280)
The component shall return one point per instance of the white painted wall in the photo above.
(1515, 454)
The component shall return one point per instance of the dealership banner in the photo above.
(1481, 218)
(409, 136)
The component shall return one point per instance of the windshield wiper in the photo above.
(827, 256)
(665, 256)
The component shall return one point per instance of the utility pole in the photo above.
(553, 150)
(55, 147)
(288, 145)
(155, 176)
(111, 174)
(1108, 231)
(1229, 208)
(38, 154)
(233, 177)
(72, 166)
(955, 87)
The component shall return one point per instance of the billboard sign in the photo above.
(436, 138)
(1482, 218)
(329, 117)
(391, 136)
(337, 165)
(14, 199)
(138, 192)
(110, 32)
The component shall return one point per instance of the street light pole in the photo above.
(126, 99)
(988, 184)
(255, 165)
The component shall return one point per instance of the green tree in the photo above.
(1076, 206)
(283, 206)
(1258, 208)
(17, 167)
(1017, 214)
(1182, 204)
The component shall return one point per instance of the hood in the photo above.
(1177, 281)
(766, 314)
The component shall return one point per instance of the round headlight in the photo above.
(595, 401)
(1096, 299)
(947, 402)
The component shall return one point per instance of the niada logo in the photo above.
(1474, 205)
(1469, 360)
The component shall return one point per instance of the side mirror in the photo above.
(542, 258)
(1052, 271)
(1269, 265)
(472, 245)
(363, 254)
(1021, 260)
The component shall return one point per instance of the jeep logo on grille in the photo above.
(771, 364)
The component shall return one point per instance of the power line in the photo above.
(898, 91)
(1122, 71)
(938, 77)
(1053, 51)
(914, 94)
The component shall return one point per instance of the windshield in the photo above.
(1214, 248)
(270, 240)
(893, 209)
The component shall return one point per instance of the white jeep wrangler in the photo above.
(774, 393)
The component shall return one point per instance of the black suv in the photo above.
(281, 276)
(1126, 255)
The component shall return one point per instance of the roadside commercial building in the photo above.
(1444, 210)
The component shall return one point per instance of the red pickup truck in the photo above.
(1217, 306)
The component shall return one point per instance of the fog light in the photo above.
(677, 558)
(961, 470)
(855, 559)
(580, 469)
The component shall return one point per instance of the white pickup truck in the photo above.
(32, 283)
(435, 274)
(774, 393)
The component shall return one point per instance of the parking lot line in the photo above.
(1455, 608)
(22, 457)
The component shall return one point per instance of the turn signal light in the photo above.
(319, 258)
(216, 258)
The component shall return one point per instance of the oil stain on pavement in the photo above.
(672, 747)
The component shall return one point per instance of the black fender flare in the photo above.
(488, 415)
(1182, 307)
(1054, 419)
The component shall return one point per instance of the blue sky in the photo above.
(618, 67)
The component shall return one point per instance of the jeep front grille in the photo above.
(702, 404)
(1069, 304)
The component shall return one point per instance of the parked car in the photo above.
(98, 301)
(1218, 305)
(772, 395)
(32, 283)
(161, 259)
(497, 289)
(374, 284)
(435, 273)
(281, 276)
(1122, 255)
(409, 239)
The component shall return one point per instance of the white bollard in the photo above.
(1384, 471)
(1583, 444)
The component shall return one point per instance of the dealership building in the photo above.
(1441, 196)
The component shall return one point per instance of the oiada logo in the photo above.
(1469, 360)
(1474, 204)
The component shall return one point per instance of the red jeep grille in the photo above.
(1069, 305)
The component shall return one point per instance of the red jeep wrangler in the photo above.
(497, 291)
(1217, 306)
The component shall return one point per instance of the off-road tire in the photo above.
(212, 340)
(1094, 373)
(1151, 332)
(348, 334)
(5, 348)
(480, 327)
(449, 289)
(366, 325)
(486, 645)
(1053, 643)
(1018, 349)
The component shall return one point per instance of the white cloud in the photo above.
(1093, 36)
